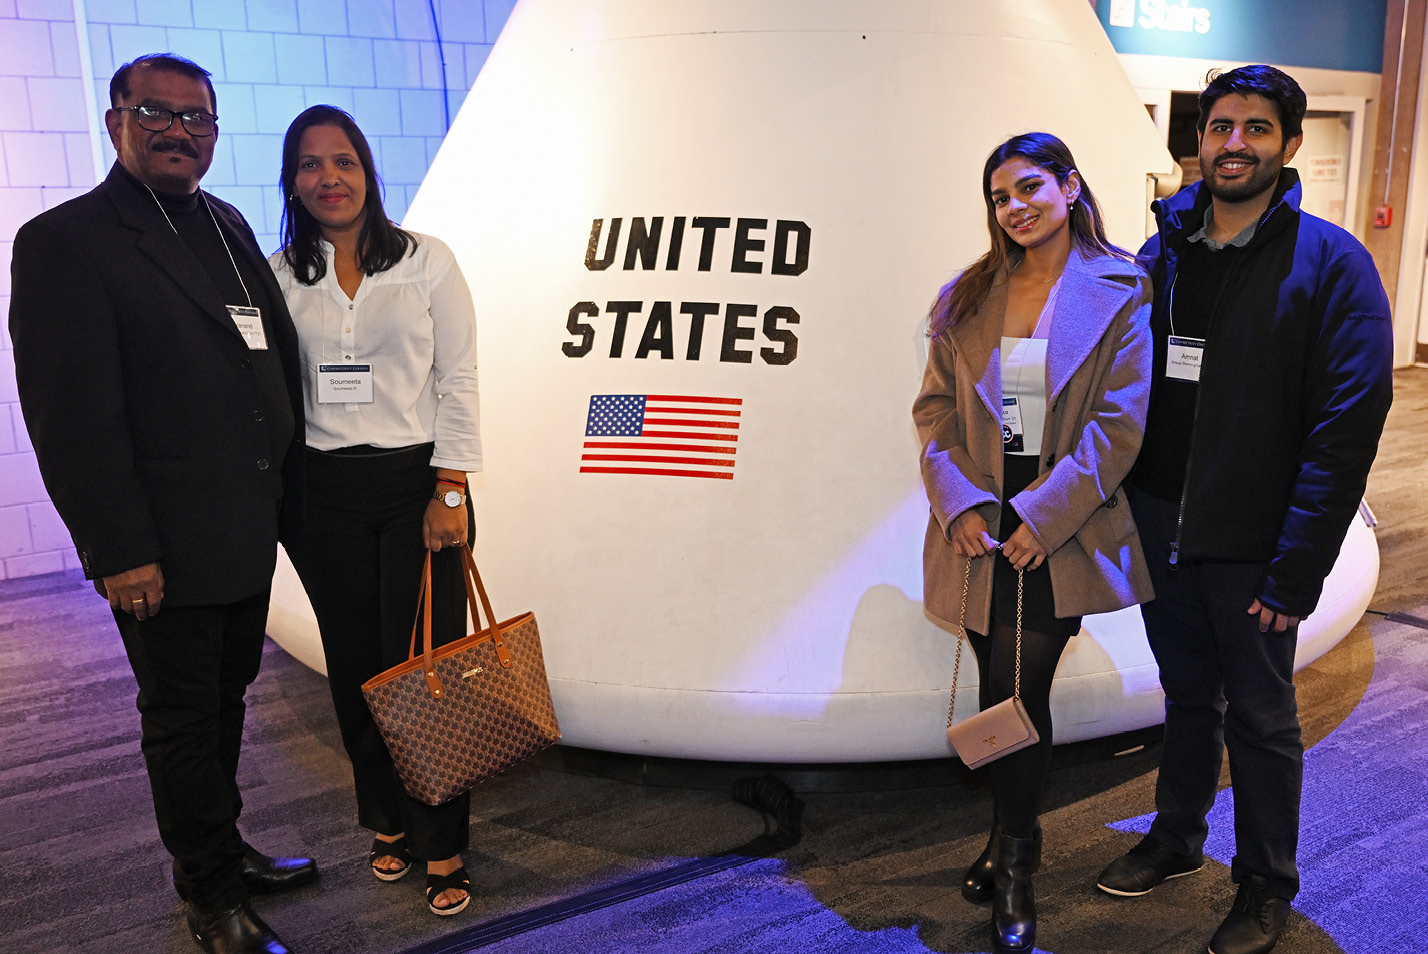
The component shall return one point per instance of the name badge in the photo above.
(250, 325)
(1012, 434)
(1182, 361)
(344, 384)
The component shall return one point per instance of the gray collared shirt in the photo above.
(1203, 235)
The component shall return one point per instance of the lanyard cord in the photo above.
(214, 219)
(1170, 303)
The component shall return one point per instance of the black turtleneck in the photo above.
(199, 229)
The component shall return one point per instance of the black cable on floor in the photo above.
(783, 827)
(1407, 619)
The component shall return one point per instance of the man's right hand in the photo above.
(970, 537)
(1272, 619)
(139, 591)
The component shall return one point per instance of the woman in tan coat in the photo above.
(1030, 417)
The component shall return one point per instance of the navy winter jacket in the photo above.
(1295, 384)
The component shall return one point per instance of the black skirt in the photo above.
(1038, 612)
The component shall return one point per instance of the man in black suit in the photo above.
(158, 373)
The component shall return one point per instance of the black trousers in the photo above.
(193, 665)
(360, 561)
(1227, 686)
(1019, 779)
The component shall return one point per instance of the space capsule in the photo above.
(701, 238)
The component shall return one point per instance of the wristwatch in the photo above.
(452, 498)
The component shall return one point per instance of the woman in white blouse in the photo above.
(1031, 414)
(387, 330)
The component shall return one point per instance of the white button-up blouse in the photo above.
(416, 326)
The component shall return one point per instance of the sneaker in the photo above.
(1255, 920)
(1145, 866)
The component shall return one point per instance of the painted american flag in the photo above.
(665, 435)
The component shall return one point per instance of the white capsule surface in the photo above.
(793, 181)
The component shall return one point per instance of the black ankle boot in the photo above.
(977, 882)
(1013, 901)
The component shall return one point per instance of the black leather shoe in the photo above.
(1013, 901)
(261, 874)
(1145, 866)
(235, 931)
(977, 882)
(1255, 920)
(264, 875)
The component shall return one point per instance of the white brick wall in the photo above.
(270, 59)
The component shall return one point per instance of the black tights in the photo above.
(1018, 779)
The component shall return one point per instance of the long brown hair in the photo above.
(959, 299)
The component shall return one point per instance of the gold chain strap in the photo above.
(1020, 580)
(962, 625)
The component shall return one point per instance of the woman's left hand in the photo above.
(444, 526)
(1022, 549)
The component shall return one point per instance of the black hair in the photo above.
(380, 243)
(1274, 85)
(172, 62)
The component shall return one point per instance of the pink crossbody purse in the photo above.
(1005, 727)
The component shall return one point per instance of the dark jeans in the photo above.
(360, 561)
(193, 665)
(1227, 687)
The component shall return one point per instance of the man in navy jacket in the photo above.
(1272, 379)
(158, 373)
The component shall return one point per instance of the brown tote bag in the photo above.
(459, 714)
(1005, 727)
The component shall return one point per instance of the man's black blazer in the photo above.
(140, 394)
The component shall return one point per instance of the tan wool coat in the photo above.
(1098, 368)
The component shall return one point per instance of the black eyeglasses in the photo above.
(154, 119)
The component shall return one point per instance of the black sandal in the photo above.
(436, 884)
(390, 849)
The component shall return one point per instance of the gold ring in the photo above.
(139, 600)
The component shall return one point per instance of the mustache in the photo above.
(1237, 157)
(175, 145)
